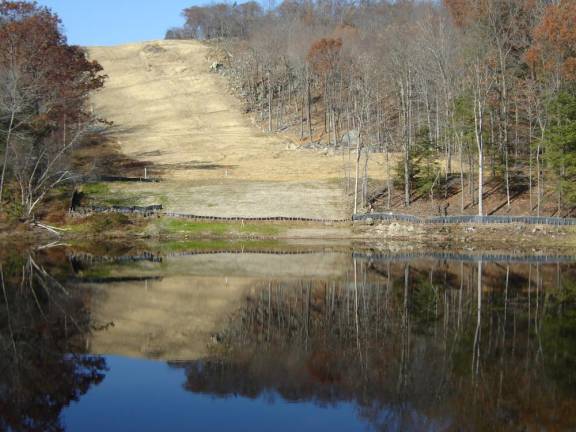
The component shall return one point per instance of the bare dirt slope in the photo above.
(170, 111)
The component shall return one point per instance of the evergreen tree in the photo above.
(560, 145)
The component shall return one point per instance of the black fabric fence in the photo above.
(142, 210)
(530, 220)
(253, 219)
(385, 217)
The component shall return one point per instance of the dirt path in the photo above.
(171, 112)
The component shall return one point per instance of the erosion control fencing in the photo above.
(252, 219)
(154, 210)
(464, 219)
(141, 210)
(90, 259)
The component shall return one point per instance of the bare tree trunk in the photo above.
(309, 100)
(471, 171)
(326, 112)
(507, 176)
(335, 129)
(387, 156)
(516, 126)
(407, 167)
(504, 114)
(388, 178)
(479, 129)
(302, 119)
(280, 115)
(406, 117)
(539, 174)
(530, 179)
(365, 178)
(358, 147)
(493, 144)
(480, 178)
(461, 145)
(6, 152)
(269, 104)
(530, 157)
(560, 178)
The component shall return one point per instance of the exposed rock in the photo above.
(393, 229)
(216, 67)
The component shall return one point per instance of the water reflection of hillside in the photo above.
(169, 307)
(416, 344)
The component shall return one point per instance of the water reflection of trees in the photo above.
(42, 325)
(417, 344)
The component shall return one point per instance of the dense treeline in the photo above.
(464, 90)
(44, 83)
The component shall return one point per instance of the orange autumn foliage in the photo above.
(554, 47)
(324, 54)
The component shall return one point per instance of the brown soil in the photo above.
(495, 201)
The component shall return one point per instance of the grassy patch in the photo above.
(187, 246)
(102, 194)
(97, 272)
(95, 189)
(180, 226)
(216, 229)
(263, 229)
(102, 223)
(171, 246)
(117, 224)
(335, 181)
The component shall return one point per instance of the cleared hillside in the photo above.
(170, 112)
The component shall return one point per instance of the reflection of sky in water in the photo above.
(142, 395)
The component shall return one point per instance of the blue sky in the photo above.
(110, 22)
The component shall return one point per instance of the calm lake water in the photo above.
(182, 337)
